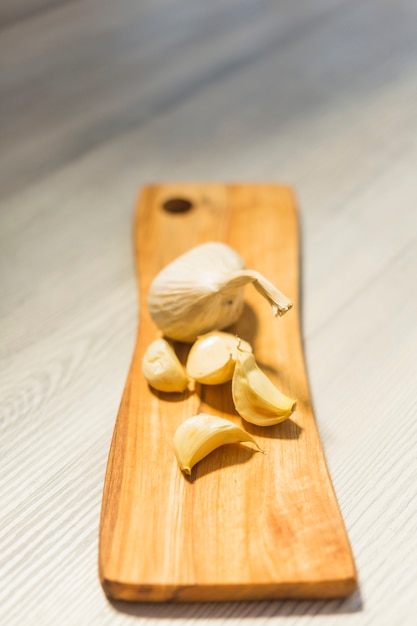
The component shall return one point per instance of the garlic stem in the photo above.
(279, 302)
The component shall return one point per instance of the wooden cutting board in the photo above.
(246, 525)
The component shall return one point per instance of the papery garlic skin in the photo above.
(255, 397)
(202, 290)
(211, 360)
(199, 435)
(162, 368)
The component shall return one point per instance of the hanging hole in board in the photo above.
(177, 205)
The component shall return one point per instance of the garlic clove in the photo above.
(212, 358)
(199, 435)
(162, 368)
(255, 397)
(202, 290)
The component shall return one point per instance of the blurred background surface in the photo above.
(98, 98)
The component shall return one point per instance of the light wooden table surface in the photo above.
(99, 98)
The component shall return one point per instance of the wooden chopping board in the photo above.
(246, 525)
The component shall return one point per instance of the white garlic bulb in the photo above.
(202, 290)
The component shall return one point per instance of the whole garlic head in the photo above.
(202, 290)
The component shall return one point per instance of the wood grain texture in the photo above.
(98, 100)
(243, 528)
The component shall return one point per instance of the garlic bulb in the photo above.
(212, 358)
(162, 368)
(202, 290)
(195, 438)
(255, 397)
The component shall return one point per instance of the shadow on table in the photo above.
(217, 610)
